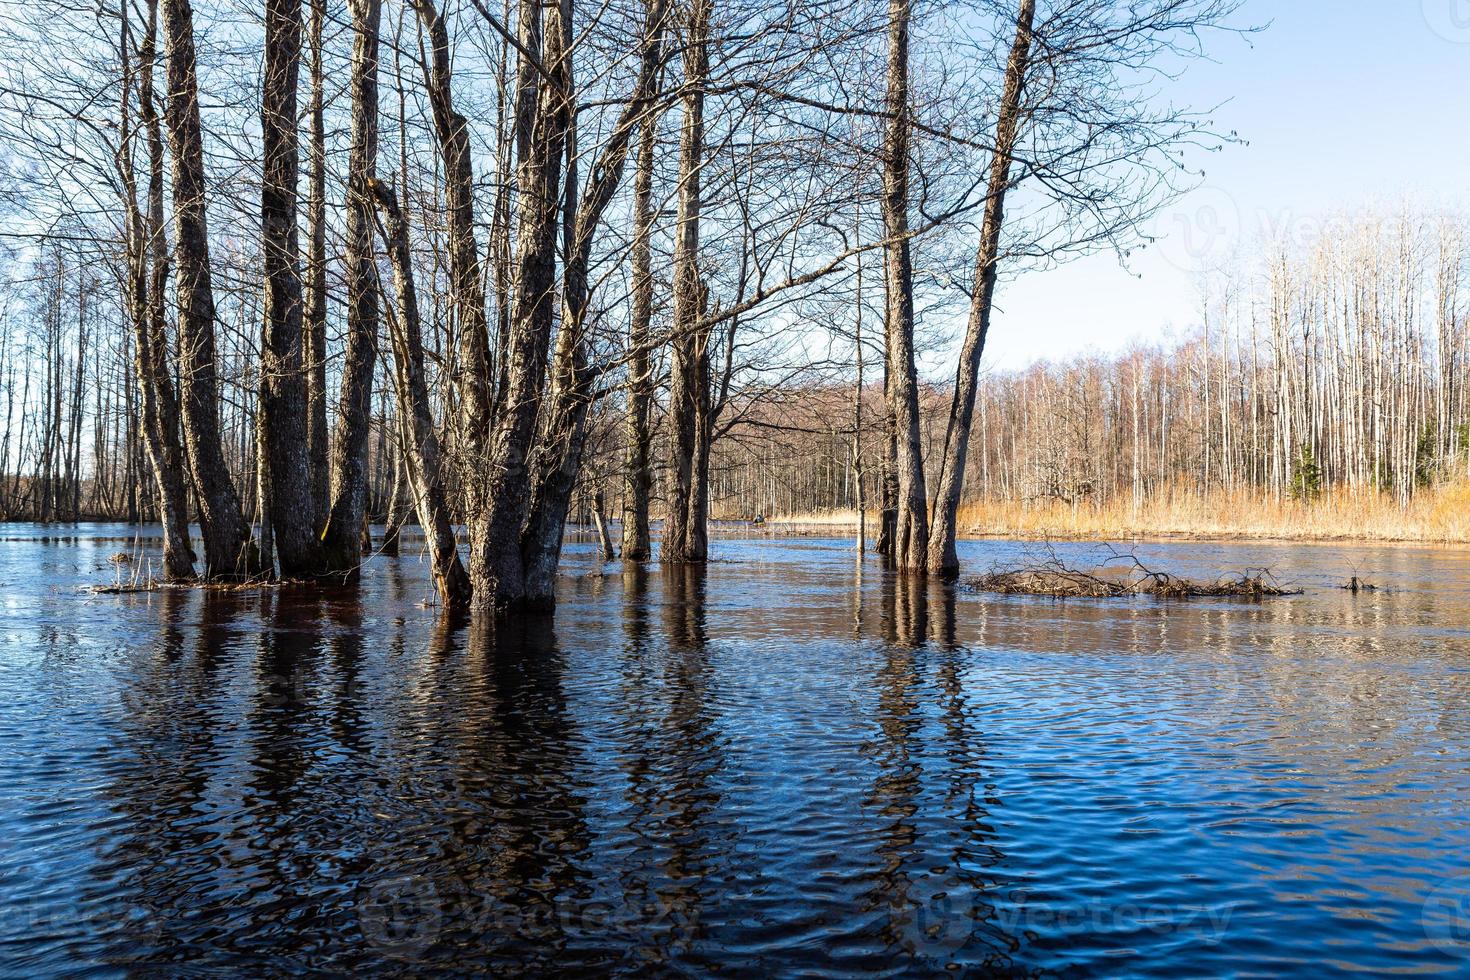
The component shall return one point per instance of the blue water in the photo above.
(790, 763)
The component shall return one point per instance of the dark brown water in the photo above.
(787, 764)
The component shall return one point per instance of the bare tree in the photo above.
(354, 417)
(228, 548)
(637, 545)
(911, 524)
(147, 273)
(314, 339)
(283, 404)
(565, 428)
(685, 533)
(942, 557)
(421, 444)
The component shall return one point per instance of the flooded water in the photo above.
(788, 763)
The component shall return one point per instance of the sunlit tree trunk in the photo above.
(942, 557)
(684, 537)
(397, 498)
(911, 525)
(147, 272)
(564, 436)
(497, 566)
(857, 422)
(451, 130)
(354, 416)
(314, 340)
(420, 456)
(639, 464)
(228, 548)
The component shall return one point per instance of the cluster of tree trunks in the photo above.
(523, 360)
(913, 541)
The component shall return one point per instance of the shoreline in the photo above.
(835, 527)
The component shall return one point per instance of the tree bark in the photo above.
(263, 491)
(911, 529)
(228, 548)
(639, 465)
(497, 567)
(857, 421)
(605, 549)
(314, 344)
(564, 435)
(283, 382)
(420, 455)
(943, 559)
(887, 473)
(396, 501)
(452, 132)
(684, 521)
(354, 416)
(148, 269)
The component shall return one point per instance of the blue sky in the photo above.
(1345, 104)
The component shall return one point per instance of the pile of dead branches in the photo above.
(1121, 576)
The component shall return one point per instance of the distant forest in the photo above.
(1333, 363)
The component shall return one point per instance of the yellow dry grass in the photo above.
(1441, 514)
(1437, 515)
(825, 518)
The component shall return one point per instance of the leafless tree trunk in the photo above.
(857, 421)
(942, 557)
(911, 530)
(604, 540)
(887, 472)
(452, 132)
(354, 421)
(421, 443)
(397, 498)
(228, 549)
(314, 342)
(639, 465)
(148, 269)
(283, 381)
(497, 566)
(688, 493)
(564, 437)
(263, 485)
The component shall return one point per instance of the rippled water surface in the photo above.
(788, 763)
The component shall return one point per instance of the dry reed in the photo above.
(1440, 514)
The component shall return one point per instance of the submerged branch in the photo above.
(1053, 578)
